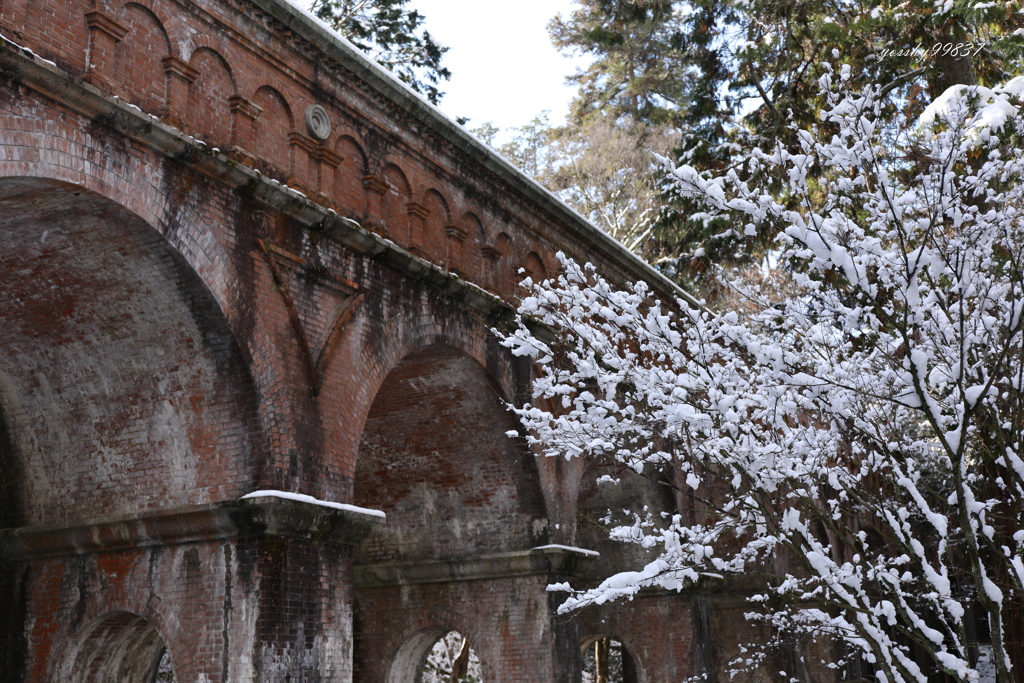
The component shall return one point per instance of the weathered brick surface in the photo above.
(172, 337)
(505, 621)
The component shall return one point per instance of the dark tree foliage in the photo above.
(393, 36)
(760, 63)
(641, 68)
(739, 74)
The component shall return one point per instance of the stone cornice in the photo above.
(263, 516)
(547, 561)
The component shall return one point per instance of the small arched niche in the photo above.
(436, 656)
(606, 660)
(119, 647)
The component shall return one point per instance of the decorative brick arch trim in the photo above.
(206, 44)
(277, 94)
(409, 647)
(158, 16)
(131, 600)
(344, 133)
(588, 641)
(434, 190)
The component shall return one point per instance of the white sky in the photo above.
(504, 69)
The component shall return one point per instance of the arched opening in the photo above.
(613, 494)
(435, 456)
(606, 660)
(118, 370)
(436, 656)
(120, 647)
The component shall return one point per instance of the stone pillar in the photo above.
(417, 225)
(376, 188)
(179, 77)
(243, 115)
(253, 589)
(104, 34)
(305, 151)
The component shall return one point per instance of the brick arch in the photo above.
(496, 256)
(68, 156)
(133, 606)
(395, 204)
(435, 456)
(172, 201)
(270, 131)
(638, 673)
(534, 268)
(138, 74)
(350, 176)
(208, 114)
(632, 494)
(411, 331)
(373, 362)
(168, 24)
(468, 254)
(119, 355)
(434, 240)
(412, 646)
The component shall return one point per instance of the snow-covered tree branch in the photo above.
(865, 421)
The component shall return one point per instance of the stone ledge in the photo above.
(547, 561)
(260, 516)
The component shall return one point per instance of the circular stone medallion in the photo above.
(317, 122)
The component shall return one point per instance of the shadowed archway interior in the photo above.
(120, 647)
(435, 456)
(121, 384)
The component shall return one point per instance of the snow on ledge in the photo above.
(303, 498)
(555, 546)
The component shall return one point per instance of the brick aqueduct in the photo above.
(179, 329)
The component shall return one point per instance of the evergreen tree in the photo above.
(393, 36)
(640, 70)
(743, 73)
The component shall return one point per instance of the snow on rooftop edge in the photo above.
(303, 498)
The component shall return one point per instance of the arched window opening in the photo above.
(120, 647)
(451, 660)
(605, 660)
(164, 671)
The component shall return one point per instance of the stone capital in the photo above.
(175, 66)
(418, 210)
(375, 184)
(97, 20)
(240, 105)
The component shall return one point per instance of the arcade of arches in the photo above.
(252, 410)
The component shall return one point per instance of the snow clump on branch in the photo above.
(865, 424)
